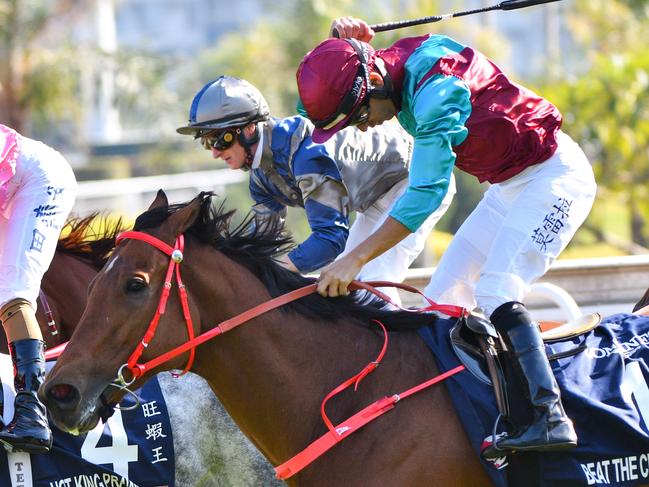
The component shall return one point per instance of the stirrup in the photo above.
(493, 451)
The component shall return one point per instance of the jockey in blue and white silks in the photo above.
(354, 172)
(37, 191)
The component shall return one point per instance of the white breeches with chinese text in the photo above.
(516, 232)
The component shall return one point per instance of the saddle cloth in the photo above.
(604, 391)
(133, 449)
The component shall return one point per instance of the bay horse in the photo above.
(271, 373)
(221, 455)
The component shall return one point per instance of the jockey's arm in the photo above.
(335, 278)
(326, 204)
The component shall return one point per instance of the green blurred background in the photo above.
(591, 62)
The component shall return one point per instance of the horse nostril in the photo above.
(63, 394)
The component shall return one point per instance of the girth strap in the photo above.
(351, 425)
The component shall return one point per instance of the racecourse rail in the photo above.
(607, 285)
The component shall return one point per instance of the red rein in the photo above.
(336, 433)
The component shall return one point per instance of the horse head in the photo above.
(122, 299)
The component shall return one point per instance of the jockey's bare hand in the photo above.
(336, 277)
(352, 27)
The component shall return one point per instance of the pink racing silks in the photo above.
(9, 150)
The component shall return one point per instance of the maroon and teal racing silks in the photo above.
(462, 111)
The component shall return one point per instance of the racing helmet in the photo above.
(222, 103)
(334, 82)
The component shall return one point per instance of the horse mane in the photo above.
(91, 238)
(255, 246)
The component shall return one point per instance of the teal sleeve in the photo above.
(440, 109)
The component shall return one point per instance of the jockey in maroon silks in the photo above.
(463, 111)
(37, 191)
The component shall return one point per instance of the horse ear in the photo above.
(160, 200)
(182, 219)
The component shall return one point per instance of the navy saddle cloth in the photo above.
(133, 449)
(604, 390)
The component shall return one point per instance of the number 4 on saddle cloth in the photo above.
(133, 449)
(603, 375)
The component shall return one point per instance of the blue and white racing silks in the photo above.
(603, 376)
(348, 173)
(133, 449)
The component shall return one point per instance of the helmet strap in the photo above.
(387, 90)
(247, 143)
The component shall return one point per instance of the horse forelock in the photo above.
(214, 226)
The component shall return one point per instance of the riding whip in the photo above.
(506, 5)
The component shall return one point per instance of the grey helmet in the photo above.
(225, 102)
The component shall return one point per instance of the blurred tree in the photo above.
(34, 78)
(606, 109)
(50, 72)
(268, 53)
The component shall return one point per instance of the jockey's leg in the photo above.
(455, 277)
(550, 428)
(41, 196)
(28, 430)
(545, 205)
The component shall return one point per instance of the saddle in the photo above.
(478, 347)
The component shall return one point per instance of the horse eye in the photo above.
(135, 284)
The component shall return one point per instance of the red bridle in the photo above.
(176, 257)
(336, 433)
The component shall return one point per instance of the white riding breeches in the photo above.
(393, 264)
(39, 198)
(516, 232)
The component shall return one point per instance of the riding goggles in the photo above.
(221, 140)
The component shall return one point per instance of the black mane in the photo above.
(255, 247)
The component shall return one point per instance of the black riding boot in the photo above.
(550, 428)
(28, 430)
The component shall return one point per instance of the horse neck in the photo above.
(273, 369)
(65, 285)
